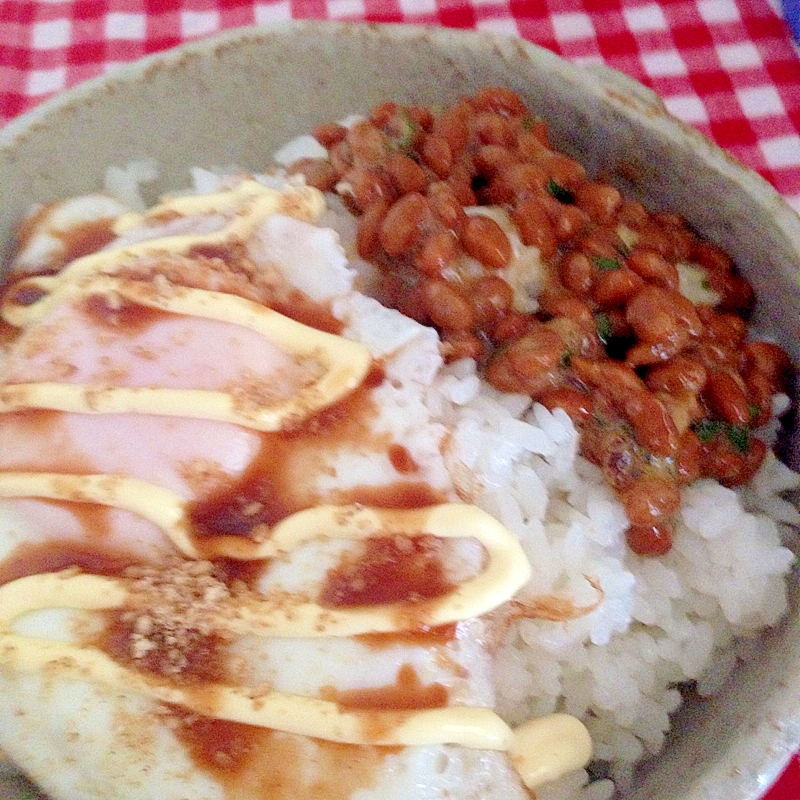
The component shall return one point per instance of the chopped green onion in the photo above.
(707, 429)
(755, 412)
(528, 122)
(561, 193)
(605, 264)
(603, 324)
(404, 138)
(705, 284)
(566, 358)
(739, 437)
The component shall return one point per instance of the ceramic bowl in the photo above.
(234, 99)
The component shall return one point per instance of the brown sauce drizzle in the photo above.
(400, 494)
(247, 573)
(43, 425)
(254, 501)
(301, 308)
(290, 302)
(256, 762)
(20, 295)
(88, 237)
(230, 253)
(266, 492)
(123, 316)
(135, 640)
(7, 333)
(170, 625)
(401, 459)
(32, 559)
(387, 570)
(424, 636)
(26, 295)
(407, 693)
(79, 240)
(93, 518)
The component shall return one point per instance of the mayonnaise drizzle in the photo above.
(540, 750)
(345, 365)
(506, 572)
(250, 203)
(308, 716)
(162, 507)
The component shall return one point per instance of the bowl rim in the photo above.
(609, 85)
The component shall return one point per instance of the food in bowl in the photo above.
(599, 629)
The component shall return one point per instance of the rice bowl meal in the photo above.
(422, 461)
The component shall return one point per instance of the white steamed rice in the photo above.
(663, 621)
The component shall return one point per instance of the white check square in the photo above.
(271, 12)
(415, 7)
(783, 151)
(760, 101)
(716, 11)
(569, 27)
(661, 63)
(502, 26)
(345, 8)
(130, 27)
(199, 23)
(739, 56)
(687, 107)
(645, 18)
(44, 81)
(51, 34)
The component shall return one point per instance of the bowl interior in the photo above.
(235, 99)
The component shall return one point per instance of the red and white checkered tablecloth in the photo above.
(728, 67)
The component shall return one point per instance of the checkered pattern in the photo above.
(728, 67)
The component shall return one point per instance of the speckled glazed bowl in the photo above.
(234, 99)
